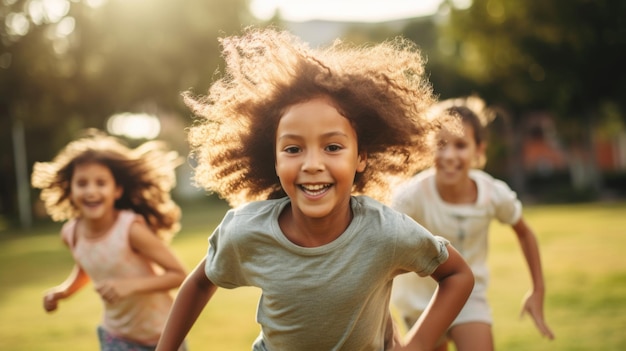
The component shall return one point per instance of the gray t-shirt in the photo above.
(332, 297)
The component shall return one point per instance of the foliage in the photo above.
(71, 66)
(68, 65)
(558, 55)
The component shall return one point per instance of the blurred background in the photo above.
(551, 69)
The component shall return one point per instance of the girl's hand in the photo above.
(113, 290)
(533, 305)
(51, 301)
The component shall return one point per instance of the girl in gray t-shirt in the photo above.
(293, 138)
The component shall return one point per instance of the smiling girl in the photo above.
(293, 137)
(457, 200)
(119, 214)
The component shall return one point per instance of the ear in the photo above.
(361, 162)
(119, 191)
(481, 155)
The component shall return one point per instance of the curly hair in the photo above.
(379, 88)
(145, 173)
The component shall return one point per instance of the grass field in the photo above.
(582, 248)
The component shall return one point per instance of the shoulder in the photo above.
(414, 183)
(135, 225)
(258, 206)
(68, 231)
(131, 220)
(378, 215)
(408, 195)
(257, 210)
(482, 176)
(367, 206)
(497, 194)
(497, 188)
(252, 216)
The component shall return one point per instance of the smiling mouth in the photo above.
(315, 189)
(92, 203)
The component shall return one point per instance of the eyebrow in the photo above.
(325, 135)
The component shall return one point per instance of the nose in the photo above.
(313, 162)
(445, 152)
(90, 188)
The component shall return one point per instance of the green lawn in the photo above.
(582, 249)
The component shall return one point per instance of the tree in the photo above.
(562, 56)
(68, 65)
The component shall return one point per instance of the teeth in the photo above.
(315, 189)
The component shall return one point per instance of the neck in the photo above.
(100, 226)
(313, 232)
(465, 192)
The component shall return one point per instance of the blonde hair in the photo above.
(145, 173)
(380, 89)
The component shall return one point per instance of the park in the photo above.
(582, 251)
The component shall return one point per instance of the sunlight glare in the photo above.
(134, 125)
(55, 10)
(17, 23)
(65, 27)
(344, 10)
(36, 12)
(95, 3)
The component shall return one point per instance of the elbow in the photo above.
(468, 281)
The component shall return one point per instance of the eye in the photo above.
(441, 144)
(461, 144)
(291, 149)
(333, 148)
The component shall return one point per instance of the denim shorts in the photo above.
(110, 342)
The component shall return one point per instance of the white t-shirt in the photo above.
(466, 226)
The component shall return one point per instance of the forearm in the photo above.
(163, 282)
(74, 282)
(455, 286)
(192, 297)
(439, 315)
(530, 248)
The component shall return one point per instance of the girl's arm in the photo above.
(193, 295)
(147, 244)
(533, 302)
(456, 281)
(76, 280)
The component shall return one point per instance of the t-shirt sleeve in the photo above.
(223, 263)
(508, 208)
(417, 249)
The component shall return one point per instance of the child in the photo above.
(114, 200)
(294, 132)
(458, 202)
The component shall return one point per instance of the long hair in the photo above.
(146, 175)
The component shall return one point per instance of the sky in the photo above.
(344, 10)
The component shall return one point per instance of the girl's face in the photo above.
(93, 190)
(317, 158)
(456, 154)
